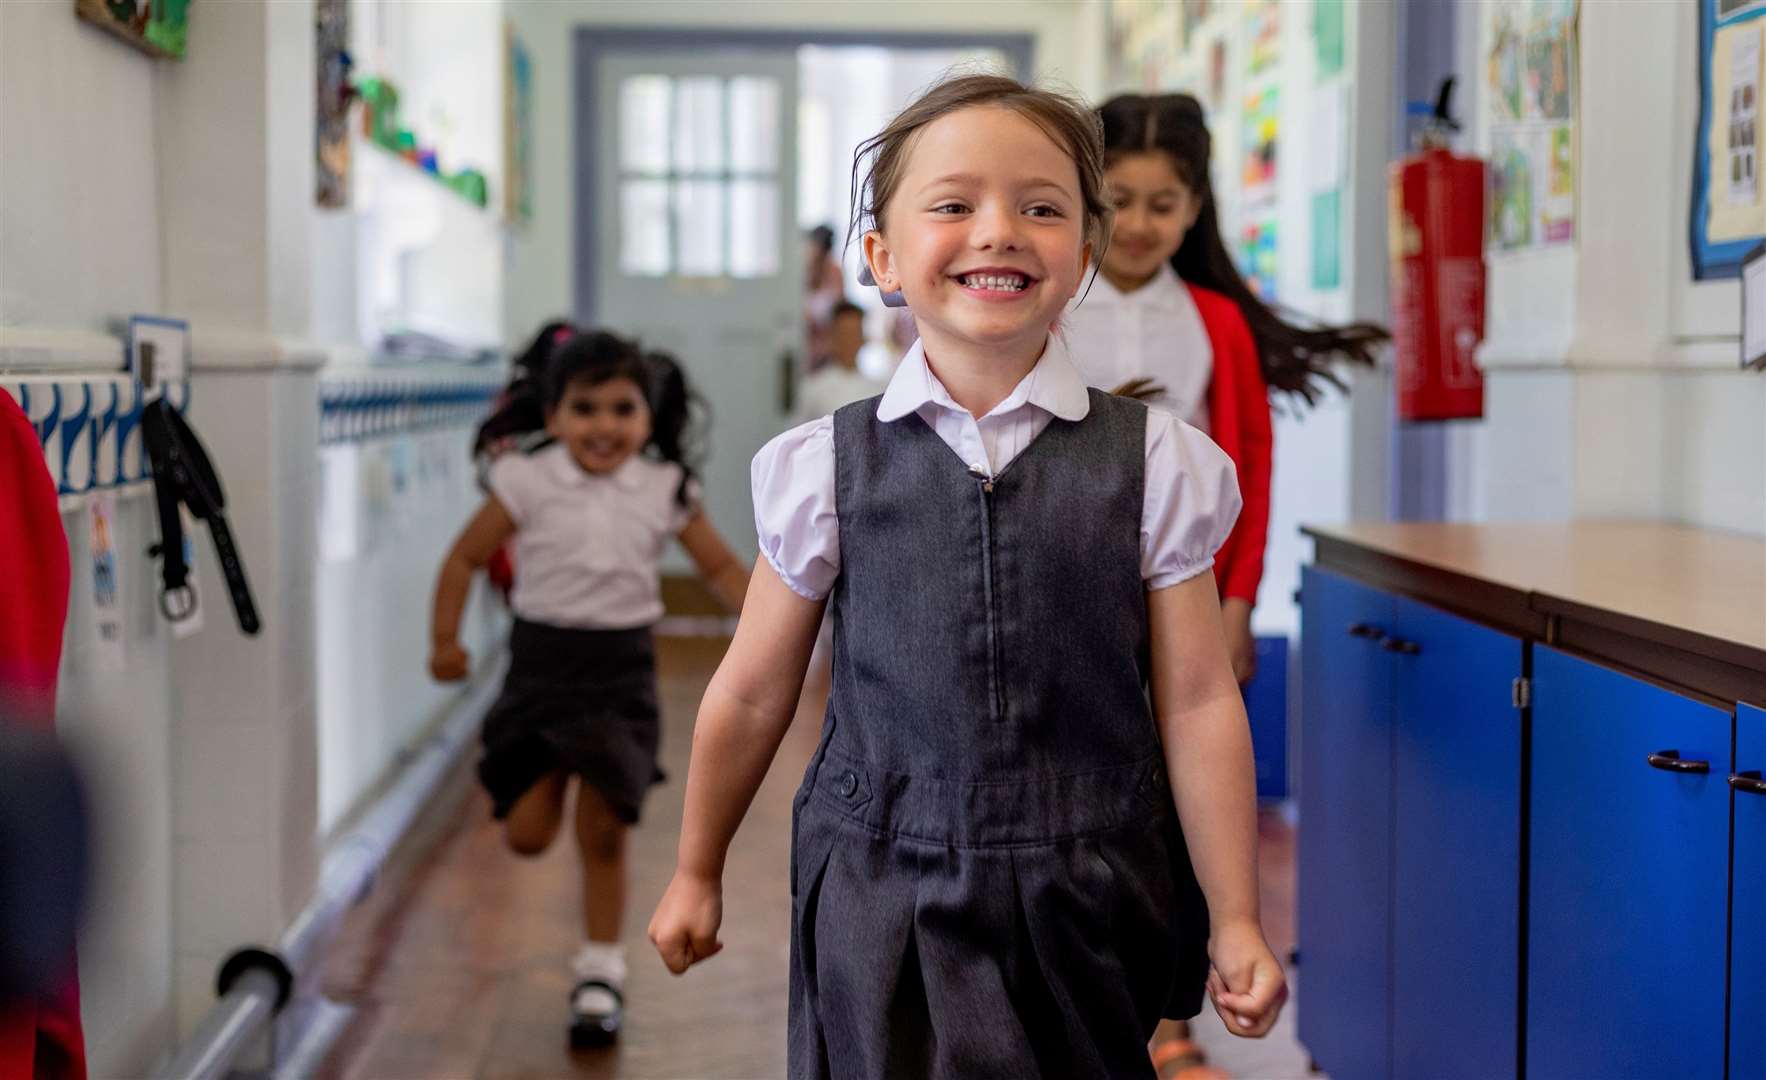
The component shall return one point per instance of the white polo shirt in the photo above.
(1154, 333)
(587, 545)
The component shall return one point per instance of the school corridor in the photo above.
(1268, 496)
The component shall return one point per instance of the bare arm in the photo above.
(717, 564)
(477, 543)
(1207, 743)
(742, 718)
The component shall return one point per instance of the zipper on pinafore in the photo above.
(997, 693)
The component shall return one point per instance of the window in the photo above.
(699, 160)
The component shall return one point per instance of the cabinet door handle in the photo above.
(1363, 630)
(1749, 782)
(1399, 645)
(1671, 761)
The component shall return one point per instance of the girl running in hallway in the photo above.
(590, 514)
(1170, 320)
(1008, 859)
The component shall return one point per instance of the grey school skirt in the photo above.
(575, 701)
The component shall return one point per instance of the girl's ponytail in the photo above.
(677, 416)
(521, 408)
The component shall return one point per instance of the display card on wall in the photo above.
(1530, 71)
(1728, 214)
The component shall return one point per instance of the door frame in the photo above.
(592, 43)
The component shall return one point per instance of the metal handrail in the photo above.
(255, 983)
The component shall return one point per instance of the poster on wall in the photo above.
(1261, 124)
(1728, 213)
(1264, 32)
(1328, 38)
(1147, 43)
(1530, 72)
(1214, 90)
(517, 128)
(1327, 239)
(1257, 257)
(331, 128)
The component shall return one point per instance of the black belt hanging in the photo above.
(183, 474)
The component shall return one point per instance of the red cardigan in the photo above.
(40, 1038)
(1238, 420)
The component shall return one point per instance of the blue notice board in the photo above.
(1728, 195)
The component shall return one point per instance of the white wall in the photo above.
(1612, 381)
(77, 126)
(541, 256)
(391, 508)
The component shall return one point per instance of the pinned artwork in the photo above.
(157, 27)
(331, 174)
(517, 128)
(1262, 130)
(1257, 257)
(1530, 66)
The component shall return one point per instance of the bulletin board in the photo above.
(1728, 214)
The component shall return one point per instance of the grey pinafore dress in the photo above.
(988, 877)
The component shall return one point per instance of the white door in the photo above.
(696, 249)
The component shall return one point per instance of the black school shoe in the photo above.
(589, 1030)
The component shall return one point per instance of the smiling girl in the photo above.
(1007, 858)
(590, 513)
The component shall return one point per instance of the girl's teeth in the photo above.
(1003, 284)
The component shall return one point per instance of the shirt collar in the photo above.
(1053, 385)
(1165, 290)
(628, 477)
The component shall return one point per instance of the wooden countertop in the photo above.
(1694, 590)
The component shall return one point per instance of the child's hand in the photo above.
(1241, 644)
(1246, 981)
(449, 662)
(684, 928)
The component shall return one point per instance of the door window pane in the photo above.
(643, 228)
(699, 236)
(643, 124)
(754, 124)
(699, 125)
(754, 228)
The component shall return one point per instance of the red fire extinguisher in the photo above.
(1436, 236)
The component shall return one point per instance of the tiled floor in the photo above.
(456, 965)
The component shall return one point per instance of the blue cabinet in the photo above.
(1456, 824)
(1628, 876)
(1747, 951)
(1410, 824)
(1344, 896)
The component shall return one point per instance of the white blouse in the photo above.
(1190, 504)
(587, 545)
(1154, 332)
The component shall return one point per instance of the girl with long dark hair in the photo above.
(1170, 320)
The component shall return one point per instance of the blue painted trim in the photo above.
(100, 416)
(593, 42)
(355, 410)
(1711, 259)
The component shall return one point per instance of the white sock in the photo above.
(603, 962)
